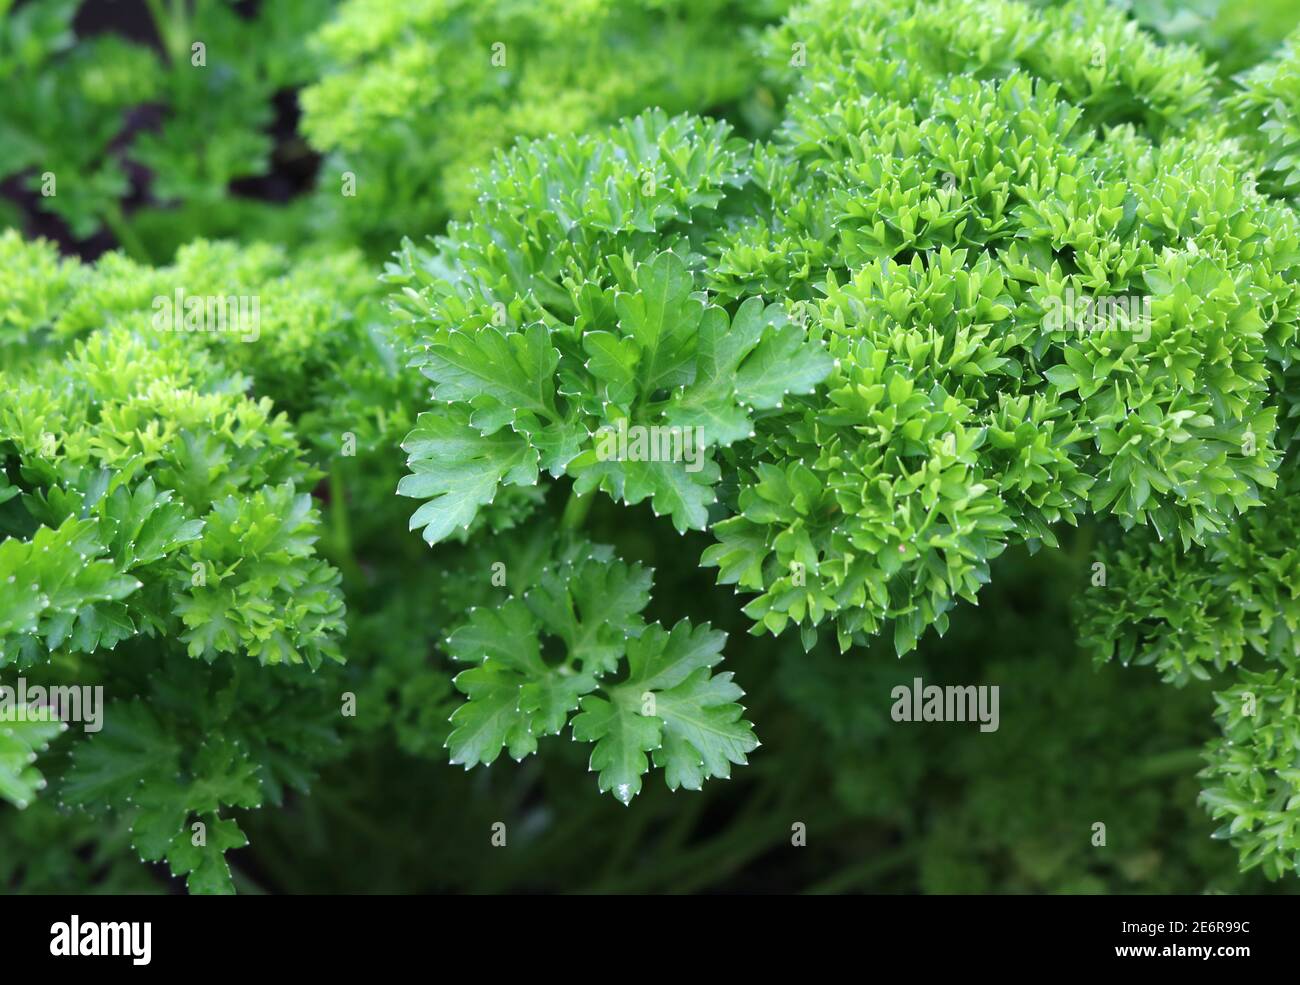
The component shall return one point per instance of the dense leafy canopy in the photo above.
(843, 298)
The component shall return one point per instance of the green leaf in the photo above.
(612, 360)
(491, 719)
(704, 734)
(669, 705)
(204, 865)
(459, 471)
(675, 489)
(171, 795)
(517, 370)
(132, 752)
(622, 736)
(594, 607)
(663, 319)
(514, 697)
(144, 525)
(25, 731)
(661, 660)
(751, 364)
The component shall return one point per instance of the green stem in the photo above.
(167, 24)
(1167, 764)
(865, 873)
(576, 510)
(245, 885)
(339, 515)
(1085, 544)
(929, 519)
(364, 825)
(340, 547)
(116, 222)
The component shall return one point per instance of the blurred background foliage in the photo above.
(150, 155)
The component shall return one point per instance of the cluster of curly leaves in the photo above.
(101, 120)
(943, 174)
(159, 535)
(155, 488)
(414, 99)
(1230, 603)
(854, 315)
(646, 351)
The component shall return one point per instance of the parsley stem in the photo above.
(115, 220)
(340, 542)
(1174, 763)
(576, 510)
(172, 26)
